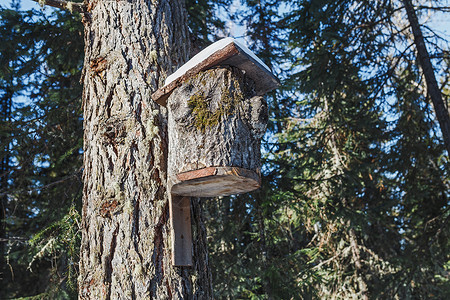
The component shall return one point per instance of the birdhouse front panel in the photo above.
(216, 122)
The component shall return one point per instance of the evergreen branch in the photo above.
(13, 239)
(62, 4)
(438, 8)
(41, 188)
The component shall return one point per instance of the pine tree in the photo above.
(352, 68)
(41, 62)
(130, 47)
(354, 201)
(148, 209)
(441, 111)
(339, 214)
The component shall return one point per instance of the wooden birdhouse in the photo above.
(216, 119)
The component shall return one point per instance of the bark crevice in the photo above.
(109, 265)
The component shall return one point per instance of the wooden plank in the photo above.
(216, 181)
(180, 217)
(231, 55)
(205, 172)
(161, 95)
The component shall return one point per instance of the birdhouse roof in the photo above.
(227, 51)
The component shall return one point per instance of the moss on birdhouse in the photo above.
(201, 108)
(215, 94)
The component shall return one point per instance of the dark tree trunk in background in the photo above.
(442, 112)
(131, 46)
(5, 117)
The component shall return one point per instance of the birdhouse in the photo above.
(216, 119)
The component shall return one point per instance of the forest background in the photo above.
(355, 195)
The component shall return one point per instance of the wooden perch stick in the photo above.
(68, 5)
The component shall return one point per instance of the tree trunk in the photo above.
(442, 113)
(131, 46)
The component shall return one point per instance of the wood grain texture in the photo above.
(180, 215)
(231, 55)
(126, 250)
(216, 181)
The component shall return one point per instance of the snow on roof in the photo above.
(207, 52)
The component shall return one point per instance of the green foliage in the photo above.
(355, 195)
(41, 171)
(60, 238)
(355, 180)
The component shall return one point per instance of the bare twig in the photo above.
(68, 5)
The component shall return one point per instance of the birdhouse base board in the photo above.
(216, 181)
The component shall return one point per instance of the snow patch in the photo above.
(207, 52)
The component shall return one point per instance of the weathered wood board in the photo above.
(180, 216)
(231, 55)
(216, 181)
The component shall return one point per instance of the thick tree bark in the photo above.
(131, 46)
(442, 112)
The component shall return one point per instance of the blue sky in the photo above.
(439, 21)
(26, 4)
